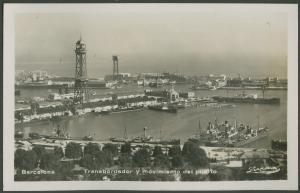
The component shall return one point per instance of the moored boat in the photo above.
(251, 99)
(164, 108)
(226, 135)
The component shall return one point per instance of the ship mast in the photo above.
(216, 119)
(160, 135)
(235, 123)
(263, 91)
(125, 133)
(257, 121)
(145, 128)
(156, 80)
(199, 127)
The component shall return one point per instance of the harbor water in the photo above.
(168, 125)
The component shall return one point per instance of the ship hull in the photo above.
(248, 100)
(158, 108)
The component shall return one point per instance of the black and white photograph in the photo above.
(136, 93)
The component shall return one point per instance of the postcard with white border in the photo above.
(150, 96)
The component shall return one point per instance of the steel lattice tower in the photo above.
(115, 67)
(80, 91)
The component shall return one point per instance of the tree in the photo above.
(110, 148)
(39, 150)
(25, 159)
(174, 151)
(161, 161)
(223, 174)
(104, 159)
(125, 160)
(188, 148)
(126, 148)
(89, 161)
(91, 149)
(73, 150)
(177, 161)
(194, 155)
(50, 161)
(142, 158)
(58, 151)
(19, 116)
(157, 151)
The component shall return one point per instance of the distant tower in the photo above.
(115, 59)
(80, 91)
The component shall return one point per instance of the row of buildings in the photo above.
(213, 81)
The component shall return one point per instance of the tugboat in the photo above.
(88, 138)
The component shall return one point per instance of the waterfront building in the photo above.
(21, 107)
(57, 97)
(260, 157)
(46, 104)
(39, 75)
(174, 95)
(213, 77)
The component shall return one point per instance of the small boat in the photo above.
(35, 135)
(105, 112)
(88, 138)
(213, 88)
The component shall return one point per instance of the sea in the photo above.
(162, 125)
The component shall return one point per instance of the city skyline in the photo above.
(160, 40)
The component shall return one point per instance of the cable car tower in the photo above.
(80, 90)
(115, 59)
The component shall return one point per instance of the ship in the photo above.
(164, 107)
(88, 138)
(145, 139)
(105, 112)
(58, 134)
(121, 139)
(203, 87)
(250, 99)
(226, 135)
(154, 84)
(129, 108)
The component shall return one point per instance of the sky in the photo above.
(149, 39)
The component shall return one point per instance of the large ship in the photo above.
(164, 107)
(226, 135)
(244, 98)
(145, 139)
